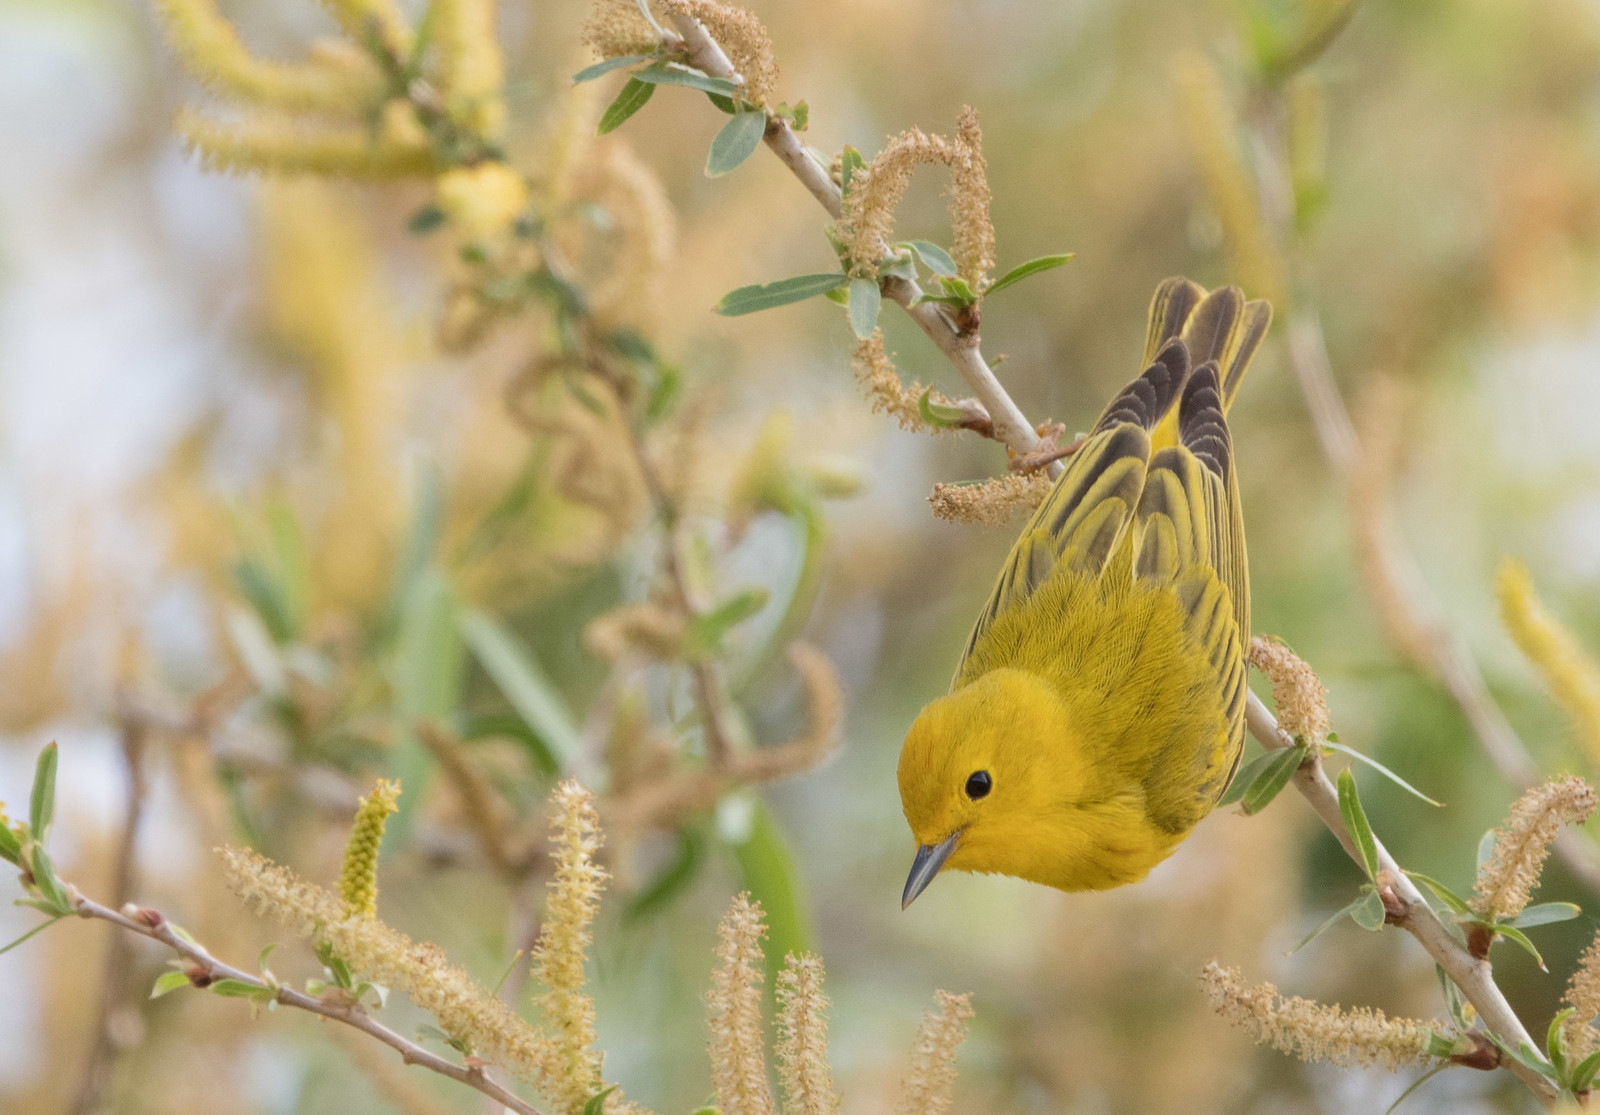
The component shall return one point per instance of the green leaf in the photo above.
(55, 895)
(865, 301)
(261, 960)
(1419, 1082)
(55, 917)
(1369, 912)
(1355, 820)
(168, 983)
(511, 726)
(425, 220)
(800, 116)
(935, 258)
(705, 636)
(1347, 911)
(1555, 1041)
(634, 96)
(726, 104)
(1485, 847)
(600, 69)
(850, 161)
(1332, 745)
(1449, 897)
(1583, 1076)
(42, 801)
(671, 882)
(1024, 270)
(426, 671)
(766, 296)
(239, 989)
(1516, 936)
(523, 682)
(1455, 1005)
(1243, 777)
(938, 414)
(596, 1104)
(736, 142)
(10, 843)
(1272, 779)
(956, 291)
(671, 73)
(1528, 1057)
(839, 296)
(1546, 913)
(767, 870)
(663, 396)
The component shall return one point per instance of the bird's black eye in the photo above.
(978, 784)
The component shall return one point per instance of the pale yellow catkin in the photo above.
(1567, 669)
(802, 1045)
(1355, 1038)
(738, 1060)
(880, 382)
(358, 876)
(994, 502)
(471, 69)
(1301, 700)
(1522, 842)
(1583, 996)
(278, 146)
(929, 1085)
(742, 37)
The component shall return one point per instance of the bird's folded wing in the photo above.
(1083, 519)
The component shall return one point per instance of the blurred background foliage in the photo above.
(248, 498)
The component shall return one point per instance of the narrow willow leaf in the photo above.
(1368, 913)
(1555, 1041)
(1355, 820)
(673, 74)
(1583, 1076)
(938, 414)
(596, 1104)
(726, 104)
(42, 801)
(935, 258)
(168, 983)
(865, 302)
(1348, 911)
(766, 296)
(659, 892)
(1449, 897)
(634, 96)
(736, 142)
(35, 931)
(850, 161)
(1453, 1001)
(1383, 770)
(10, 844)
(956, 291)
(1419, 1082)
(599, 69)
(239, 989)
(1546, 913)
(1272, 779)
(1244, 776)
(1024, 270)
(523, 682)
(1517, 936)
(706, 634)
(56, 898)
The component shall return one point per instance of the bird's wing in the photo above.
(1188, 533)
(1083, 519)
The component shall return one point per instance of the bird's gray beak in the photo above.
(930, 858)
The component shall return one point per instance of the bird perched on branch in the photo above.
(1098, 710)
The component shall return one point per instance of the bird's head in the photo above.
(982, 773)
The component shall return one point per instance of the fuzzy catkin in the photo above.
(994, 502)
(1583, 996)
(742, 37)
(802, 1046)
(875, 372)
(929, 1086)
(1311, 1031)
(738, 1061)
(358, 876)
(1297, 692)
(1572, 676)
(1522, 843)
(283, 146)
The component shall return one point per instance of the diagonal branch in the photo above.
(206, 969)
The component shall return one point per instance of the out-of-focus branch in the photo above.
(963, 348)
(1407, 908)
(204, 969)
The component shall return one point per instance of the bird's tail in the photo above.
(1219, 326)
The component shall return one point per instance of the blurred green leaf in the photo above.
(34, 932)
(600, 69)
(1244, 776)
(426, 674)
(521, 680)
(596, 1104)
(672, 73)
(705, 635)
(736, 142)
(634, 96)
(1546, 913)
(425, 220)
(1355, 821)
(168, 982)
(10, 845)
(1368, 913)
(766, 296)
(767, 870)
(42, 799)
(673, 880)
(1024, 270)
(935, 258)
(865, 302)
(1272, 779)
(1381, 769)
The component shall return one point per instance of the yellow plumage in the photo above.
(1098, 710)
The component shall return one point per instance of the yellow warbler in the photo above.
(1098, 710)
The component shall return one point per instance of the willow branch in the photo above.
(961, 347)
(1412, 913)
(206, 969)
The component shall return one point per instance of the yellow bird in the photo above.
(1098, 710)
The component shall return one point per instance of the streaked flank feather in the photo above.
(1097, 712)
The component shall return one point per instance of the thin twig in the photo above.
(208, 969)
